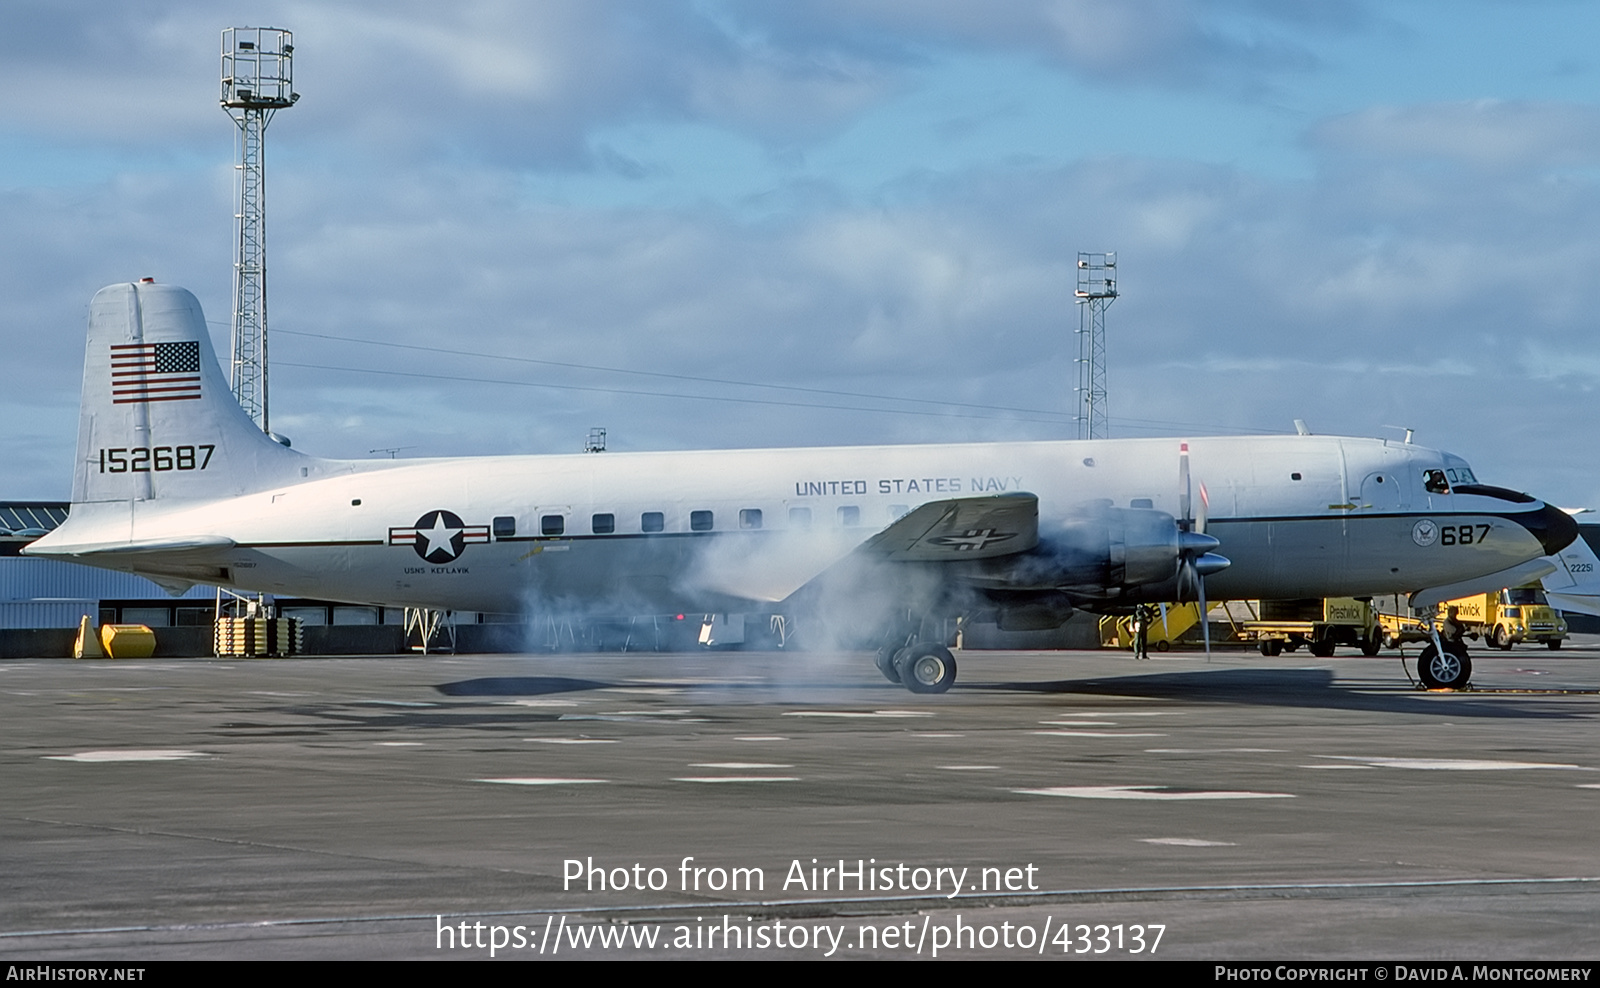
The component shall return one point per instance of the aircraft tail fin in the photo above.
(1575, 585)
(158, 419)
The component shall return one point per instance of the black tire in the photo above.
(884, 659)
(1553, 644)
(1162, 645)
(1371, 646)
(1450, 670)
(1322, 648)
(1501, 638)
(927, 667)
(1270, 647)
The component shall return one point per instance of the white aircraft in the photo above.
(174, 482)
(1575, 584)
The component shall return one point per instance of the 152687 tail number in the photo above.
(155, 459)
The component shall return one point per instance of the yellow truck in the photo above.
(1400, 629)
(1506, 617)
(1320, 625)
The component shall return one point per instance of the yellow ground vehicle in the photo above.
(1399, 629)
(1505, 617)
(1170, 622)
(1320, 625)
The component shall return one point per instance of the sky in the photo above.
(493, 226)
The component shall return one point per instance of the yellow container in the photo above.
(128, 641)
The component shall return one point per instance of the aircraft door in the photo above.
(1384, 490)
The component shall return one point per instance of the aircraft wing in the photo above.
(960, 529)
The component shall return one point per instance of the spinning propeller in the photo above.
(1196, 561)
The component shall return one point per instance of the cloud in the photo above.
(1374, 287)
(531, 84)
(1496, 135)
(1162, 42)
(512, 81)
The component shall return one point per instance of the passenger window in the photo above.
(652, 521)
(1141, 502)
(552, 524)
(505, 526)
(799, 517)
(699, 521)
(603, 524)
(749, 517)
(1434, 483)
(849, 515)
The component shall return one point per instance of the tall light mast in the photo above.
(1097, 289)
(257, 82)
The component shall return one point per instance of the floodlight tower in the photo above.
(257, 82)
(1097, 289)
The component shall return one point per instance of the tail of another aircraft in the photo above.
(1575, 585)
(158, 419)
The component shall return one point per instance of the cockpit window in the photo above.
(1460, 475)
(1434, 482)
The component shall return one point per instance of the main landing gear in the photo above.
(921, 667)
(1447, 668)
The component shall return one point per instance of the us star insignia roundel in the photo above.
(439, 536)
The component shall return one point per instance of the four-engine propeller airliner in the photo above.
(174, 481)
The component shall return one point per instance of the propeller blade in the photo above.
(1205, 510)
(1205, 614)
(1183, 485)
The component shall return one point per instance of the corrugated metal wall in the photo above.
(24, 578)
(47, 613)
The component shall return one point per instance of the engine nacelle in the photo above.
(1102, 552)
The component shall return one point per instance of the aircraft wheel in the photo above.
(926, 668)
(1371, 646)
(1501, 638)
(1553, 644)
(1321, 648)
(884, 659)
(1447, 670)
(1270, 647)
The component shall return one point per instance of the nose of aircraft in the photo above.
(1554, 528)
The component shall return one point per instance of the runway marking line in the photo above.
(732, 765)
(1099, 734)
(889, 714)
(1452, 764)
(544, 782)
(131, 755)
(1160, 793)
(737, 778)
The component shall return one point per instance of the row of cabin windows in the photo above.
(505, 526)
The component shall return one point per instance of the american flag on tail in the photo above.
(155, 371)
